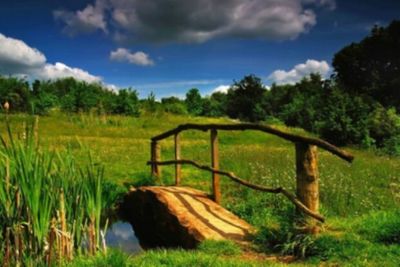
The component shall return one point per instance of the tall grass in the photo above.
(50, 207)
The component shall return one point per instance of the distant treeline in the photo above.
(359, 104)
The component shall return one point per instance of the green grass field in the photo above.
(360, 200)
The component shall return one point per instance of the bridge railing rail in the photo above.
(307, 177)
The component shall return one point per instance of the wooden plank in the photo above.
(215, 165)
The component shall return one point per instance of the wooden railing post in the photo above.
(215, 165)
(307, 178)
(177, 157)
(155, 156)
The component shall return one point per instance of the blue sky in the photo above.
(170, 46)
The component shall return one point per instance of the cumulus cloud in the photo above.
(87, 20)
(18, 58)
(221, 89)
(138, 58)
(299, 71)
(196, 20)
(60, 70)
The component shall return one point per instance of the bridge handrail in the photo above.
(258, 127)
(243, 182)
(307, 177)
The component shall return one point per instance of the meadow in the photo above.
(360, 200)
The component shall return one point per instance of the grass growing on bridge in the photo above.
(349, 192)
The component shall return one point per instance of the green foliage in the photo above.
(343, 119)
(44, 192)
(127, 103)
(244, 99)
(384, 124)
(16, 92)
(371, 66)
(162, 257)
(67, 94)
(113, 258)
(184, 258)
(193, 102)
(382, 226)
(174, 105)
(150, 104)
(350, 249)
(225, 247)
(215, 105)
(391, 146)
(43, 103)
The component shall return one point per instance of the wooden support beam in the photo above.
(177, 157)
(215, 166)
(307, 179)
(155, 156)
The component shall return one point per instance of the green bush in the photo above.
(382, 226)
(176, 108)
(383, 124)
(391, 146)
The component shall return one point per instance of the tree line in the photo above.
(359, 104)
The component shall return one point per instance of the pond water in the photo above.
(122, 236)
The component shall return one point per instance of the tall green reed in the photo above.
(50, 206)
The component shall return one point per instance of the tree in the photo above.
(193, 102)
(372, 66)
(342, 119)
(245, 99)
(127, 102)
(16, 92)
(174, 105)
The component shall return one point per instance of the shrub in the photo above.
(382, 226)
(384, 124)
(391, 146)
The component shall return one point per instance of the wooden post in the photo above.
(155, 156)
(215, 165)
(177, 157)
(307, 178)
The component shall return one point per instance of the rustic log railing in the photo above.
(307, 177)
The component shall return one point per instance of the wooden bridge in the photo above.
(201, 218)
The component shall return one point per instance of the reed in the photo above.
(50, 206)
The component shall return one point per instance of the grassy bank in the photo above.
(354, 197)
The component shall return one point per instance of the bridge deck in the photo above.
(180, 212)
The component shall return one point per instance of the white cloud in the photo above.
(18, 58)
(60, 70)
(299, 71)
(221, 89)
(196, 20)
(87, 20)
(138, 58)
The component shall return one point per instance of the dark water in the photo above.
(122, 236)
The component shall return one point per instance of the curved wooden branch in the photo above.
(236, 179)
(258, 127)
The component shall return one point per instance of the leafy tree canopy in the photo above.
(372, 66)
